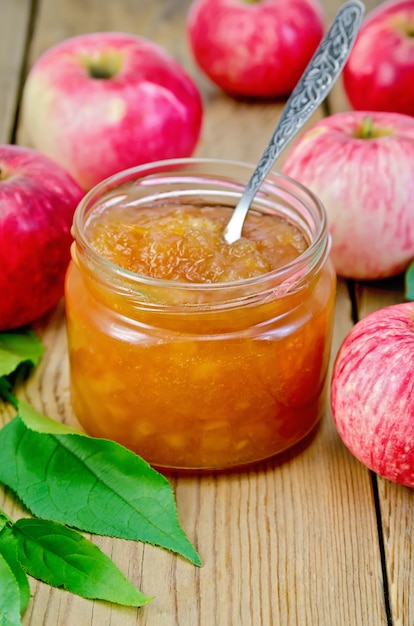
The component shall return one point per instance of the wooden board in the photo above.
(294, 541)
(14, 29)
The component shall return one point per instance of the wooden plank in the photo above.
(278, 540)
(289, 542)
(13, 30)
(396, 502)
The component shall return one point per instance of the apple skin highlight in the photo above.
(372, 392)
(366, 184)
(103, 102)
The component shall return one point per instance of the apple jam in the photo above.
(185, 242)
(194, 353)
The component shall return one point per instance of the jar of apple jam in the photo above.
(194, 353)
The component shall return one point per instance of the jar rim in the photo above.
(312, 256)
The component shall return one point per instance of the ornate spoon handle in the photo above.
(316, 82)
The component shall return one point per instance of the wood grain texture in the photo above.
(13, 31)
(289, 542)
(396, 502)
(14, 24)
(277, 540)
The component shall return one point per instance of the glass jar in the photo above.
(200, 376)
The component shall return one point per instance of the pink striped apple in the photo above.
(372, 392)
(361, 165)
(254, 48)
(379, 74)
(37, 201)
(103, 102)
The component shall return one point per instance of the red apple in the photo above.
(103, 102)
(37, 202)
(361, 165)
(253, 48)
(379, 75)
(372, 392)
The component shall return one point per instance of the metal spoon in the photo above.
(316, 82)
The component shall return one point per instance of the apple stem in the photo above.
(95, 71)
(4, 173)
(104, 66)
(367, 128)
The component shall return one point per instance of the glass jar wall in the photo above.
(206, 375)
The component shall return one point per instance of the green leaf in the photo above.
(43, 424)
(17, 348)
(9, 596)
(409, 282)
(19, 352)
(4, 519)
(91, 484)
(6, 393)
(63, 558)
(8, 550)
